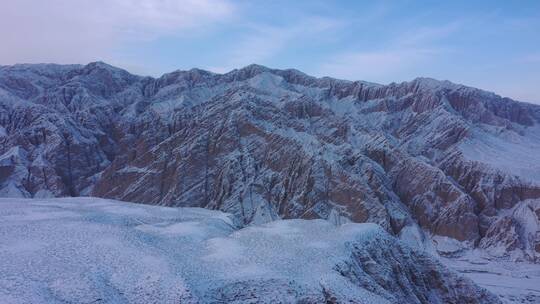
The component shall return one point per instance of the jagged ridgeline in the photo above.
(422, 156)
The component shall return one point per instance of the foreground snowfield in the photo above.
(86, 250)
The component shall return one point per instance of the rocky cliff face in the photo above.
(424, 159)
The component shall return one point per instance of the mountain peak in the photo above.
(255, 67)
(433, 84)
(104, 66)
(200, 71)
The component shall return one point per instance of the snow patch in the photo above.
(507, 151)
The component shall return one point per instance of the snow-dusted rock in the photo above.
(85, 250)
(428, 156)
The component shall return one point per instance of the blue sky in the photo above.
(494, 45)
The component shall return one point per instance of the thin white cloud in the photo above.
(378, 66)
(85, 30)
(165, 15)
(266, 42)
(423, 35)
(405, 52)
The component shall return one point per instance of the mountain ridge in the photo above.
(263, 68)
(424, 159)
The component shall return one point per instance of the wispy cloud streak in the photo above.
(83, 30)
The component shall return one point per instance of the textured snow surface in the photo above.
(86, 250)
(512, 282)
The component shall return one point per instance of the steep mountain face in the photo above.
(423, 156)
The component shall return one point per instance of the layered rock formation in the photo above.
(421, 156)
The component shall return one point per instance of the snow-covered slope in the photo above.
(512, 282)
(425, 159)
(86, 250)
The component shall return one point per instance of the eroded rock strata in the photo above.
(420, 156)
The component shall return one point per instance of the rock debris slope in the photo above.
(424, 159)
(87, 250)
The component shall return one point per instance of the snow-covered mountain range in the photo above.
(443, 166)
